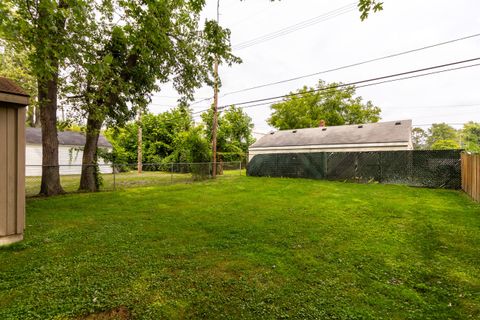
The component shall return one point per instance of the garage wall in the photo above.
(69, 158)
(334, 148)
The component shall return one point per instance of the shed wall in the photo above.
(12, 170)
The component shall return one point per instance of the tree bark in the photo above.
(47, 97)
(88, 180)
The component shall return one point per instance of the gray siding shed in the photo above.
(13, 101)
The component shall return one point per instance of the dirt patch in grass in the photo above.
(120, 313)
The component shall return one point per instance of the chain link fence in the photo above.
(423, 168)
(121, 176)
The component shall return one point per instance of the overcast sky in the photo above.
(343, 40)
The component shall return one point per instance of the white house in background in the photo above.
(69, 152)
(380, 136)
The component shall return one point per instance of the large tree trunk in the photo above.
(47, 97)
(88, 181)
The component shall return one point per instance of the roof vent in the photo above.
(398, 123)
(360, 127)
(324, 129)
(294, 131)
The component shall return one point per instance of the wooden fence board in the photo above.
(471, 175)
(477, 177)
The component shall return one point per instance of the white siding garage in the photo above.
(69, 152)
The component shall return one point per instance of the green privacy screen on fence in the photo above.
(425, 168)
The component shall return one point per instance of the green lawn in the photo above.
(247, 248)
(119, 181)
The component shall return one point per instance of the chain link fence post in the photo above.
(171, 173)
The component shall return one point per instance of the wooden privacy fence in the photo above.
(471, 175)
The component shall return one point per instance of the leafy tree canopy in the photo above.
(127, 62)
(133, 61)
(442, 136)
(234, 134)
(441, 132)
(471, 136)
(50, 32)
(367, 6)
(53, 33)
(15, 65)
(419, 138)
(191, 146)
(447, 144)
(336, 106)
(159, 134)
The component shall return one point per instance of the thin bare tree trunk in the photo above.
(31, 116)
(37, 123)
(47, 97)
(139, 143)
(88, 180)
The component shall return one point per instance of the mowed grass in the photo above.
(123, 180)
(71, 183)
(247, 248)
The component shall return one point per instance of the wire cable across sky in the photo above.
(356, 64)
(298, 26)
(393, 55)
(364, 83)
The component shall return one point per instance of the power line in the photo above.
(197, 113)
(355, 64)
(298, 26)
(345, 66)
(421, 75)
(387, 107)
(356, 83)
(364, 83)
(429, 124)
(294, 28)
(202, 100)
(156, 95)
(440, 106)
(167, 97)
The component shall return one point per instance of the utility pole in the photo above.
(139, 142)
(215, 107)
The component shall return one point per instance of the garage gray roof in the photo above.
(380, 132)
(68, 138)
